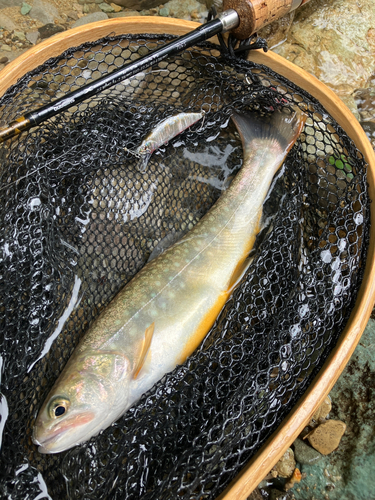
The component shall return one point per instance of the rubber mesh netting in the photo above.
(79, 218)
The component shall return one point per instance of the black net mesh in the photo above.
(79, 219)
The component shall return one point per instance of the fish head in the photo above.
(146, 148)
(90, 394)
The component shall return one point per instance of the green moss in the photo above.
(342, 163)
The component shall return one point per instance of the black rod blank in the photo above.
(226, 21)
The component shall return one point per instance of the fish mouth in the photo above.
(59, 438)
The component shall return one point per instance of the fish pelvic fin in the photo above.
(145, 349)
(238, 274)
(281, 127)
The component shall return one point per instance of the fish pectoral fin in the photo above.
(145, 348)
(238, 274)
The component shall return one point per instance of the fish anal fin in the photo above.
(238, 274)
(145, 348)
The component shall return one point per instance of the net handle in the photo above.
(255, 14)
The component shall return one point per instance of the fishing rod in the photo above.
(241, 17)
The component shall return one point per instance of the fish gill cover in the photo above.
(79, 218)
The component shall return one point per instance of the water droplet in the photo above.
(326, 256)
(34, 203)
(358, 219)
(304, 310)
(295, 330)
(335, 264)
(337, 290)
(342, 244)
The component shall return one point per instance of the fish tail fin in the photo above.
(283, 128)
(143, 162)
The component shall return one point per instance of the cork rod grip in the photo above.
(254, 14)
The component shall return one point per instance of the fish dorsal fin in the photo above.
(145, 348)
(166, 243)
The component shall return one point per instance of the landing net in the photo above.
(79, 219)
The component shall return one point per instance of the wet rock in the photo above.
(365, 101)
(218, 4)
(50, 29)
(194, 14)
(25, 8)
(126, 13)
(116, 8)
(164, 12)
(334, 41)
(44, 12)
(14, 52)
(304, 432)
(77, 8)
(72, 14)
(326, 437)
(351, 467)
(255, 495)
(10, 3)
(277, 32)
(3, 60)
(286, 465)
(32, 36)
(90, 18)
(183, 10)
(6, 23)
(137, 4)
(278, 495)
(322, 412)
(304, 454)
(90, 8)
(105, 7)
(19, 35)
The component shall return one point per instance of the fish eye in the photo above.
(59, 410)
(58, 407)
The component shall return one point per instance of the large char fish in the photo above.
(165, 311)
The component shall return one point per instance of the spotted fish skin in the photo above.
(165, 311)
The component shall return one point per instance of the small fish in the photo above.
(160, 317)
(164, 132)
